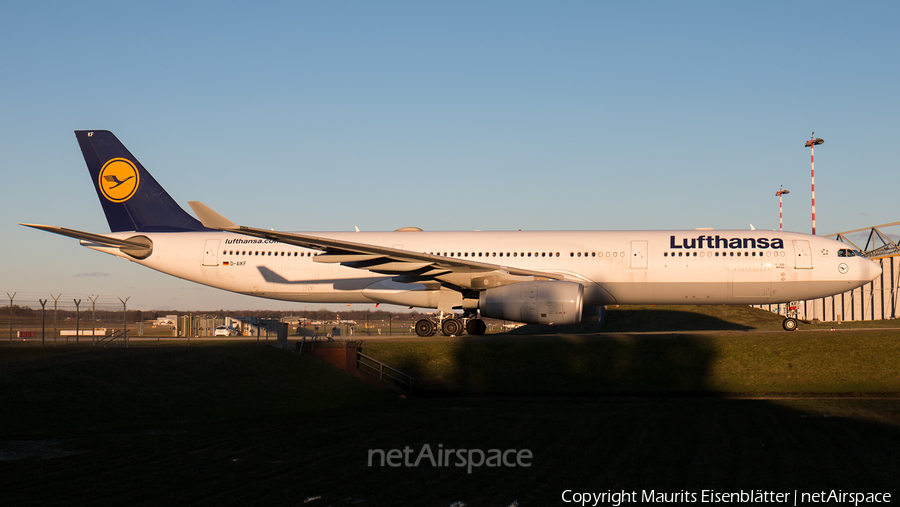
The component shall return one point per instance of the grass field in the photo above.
(246, 425)
(745, 364)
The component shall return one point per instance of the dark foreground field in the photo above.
(246, 425)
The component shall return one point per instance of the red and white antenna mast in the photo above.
(780, 193)
(812, 163)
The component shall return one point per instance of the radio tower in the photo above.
(812, 163)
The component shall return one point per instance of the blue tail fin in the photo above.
(131, 198)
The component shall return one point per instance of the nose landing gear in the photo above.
(790, 320)
(789, 324)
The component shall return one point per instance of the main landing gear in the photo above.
(451, 326)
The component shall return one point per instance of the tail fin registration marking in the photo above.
(119, 180)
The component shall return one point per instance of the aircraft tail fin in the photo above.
(132, 200)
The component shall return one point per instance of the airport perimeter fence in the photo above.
(90, 320)
(65, 319)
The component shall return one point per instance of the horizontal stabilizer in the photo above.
(88, 236)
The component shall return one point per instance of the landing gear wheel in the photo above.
(451, 327)
(789, 324)
(425, 327)
(476, 327)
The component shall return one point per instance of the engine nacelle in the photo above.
(534, 302)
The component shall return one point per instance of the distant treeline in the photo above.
(139, 315)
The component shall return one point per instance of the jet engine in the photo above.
(534, 302)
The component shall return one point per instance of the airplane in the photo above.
(535, 277)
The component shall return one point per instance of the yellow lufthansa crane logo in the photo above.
(119, 180)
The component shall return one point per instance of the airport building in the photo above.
(877, 300)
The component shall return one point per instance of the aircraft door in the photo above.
(802, 255)
(639, 254)
(211, 253)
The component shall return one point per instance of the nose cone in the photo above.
(874, 270)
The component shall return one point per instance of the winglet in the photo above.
(210, 218)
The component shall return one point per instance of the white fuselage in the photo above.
(615, 267)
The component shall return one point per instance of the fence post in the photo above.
(11, 314)
(77, 322)
(93, 298)
(125, 319)
(43, 302)
(55, 319)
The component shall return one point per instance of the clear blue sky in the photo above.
(442, 115)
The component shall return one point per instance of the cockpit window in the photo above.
(843, 252)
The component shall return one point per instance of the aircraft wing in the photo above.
(407, 266)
